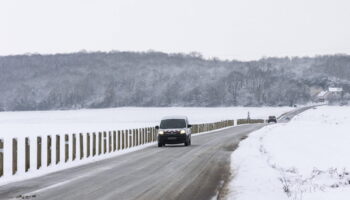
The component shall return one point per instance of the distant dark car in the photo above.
(343, 103)
(174, 130)
(272, 119)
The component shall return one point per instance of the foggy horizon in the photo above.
(239, 30)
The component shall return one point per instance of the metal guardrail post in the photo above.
(58, 143)
(134, 136)
(94, 144)
(81, 144)
(49, 150)
(144, 136)
(130, 138)
(119, 140)
(39, 149)
(123, 140)
(126, 139)
(152, 130)
(74, 146)
(114, 140)
(149, 135)
(104, 142)
(138, 136)
(14, 155)
(66, 146)
(27, 154)
(109, 141)
(99, 143)
(88, 146)
(141, 136)
(154, 134)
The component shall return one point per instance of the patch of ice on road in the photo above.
(304, 159)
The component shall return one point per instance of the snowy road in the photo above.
(173, 172)
(289, 115)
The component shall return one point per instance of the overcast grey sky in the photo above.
(233, 29)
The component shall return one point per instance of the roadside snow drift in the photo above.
(307, 158)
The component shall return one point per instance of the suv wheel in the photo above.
(160, 144)
(187, 141)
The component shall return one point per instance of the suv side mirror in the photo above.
(189, 126)
(157, 127)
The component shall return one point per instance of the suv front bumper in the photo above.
(172, 138)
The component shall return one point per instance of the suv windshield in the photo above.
(172, 123)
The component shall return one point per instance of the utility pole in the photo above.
(248, 118)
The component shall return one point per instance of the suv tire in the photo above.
(187, 141)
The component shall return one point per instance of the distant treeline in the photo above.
(115, 79)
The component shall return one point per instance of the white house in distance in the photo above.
(335, 90)
(331, 93)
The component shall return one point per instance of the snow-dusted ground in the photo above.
(307, 159)
(74, 121)
(42, 123)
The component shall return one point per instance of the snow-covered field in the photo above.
(42, 123)
(74, 121)
(307, 159)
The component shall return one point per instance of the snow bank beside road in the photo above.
(307, 158)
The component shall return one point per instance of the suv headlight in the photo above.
(160, 132)
(182, 132)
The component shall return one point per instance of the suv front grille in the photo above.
(171, 132)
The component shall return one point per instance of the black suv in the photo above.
(174, 130)
(272, 119)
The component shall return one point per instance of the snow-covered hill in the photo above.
(145, 79)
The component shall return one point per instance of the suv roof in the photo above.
(175, 117)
